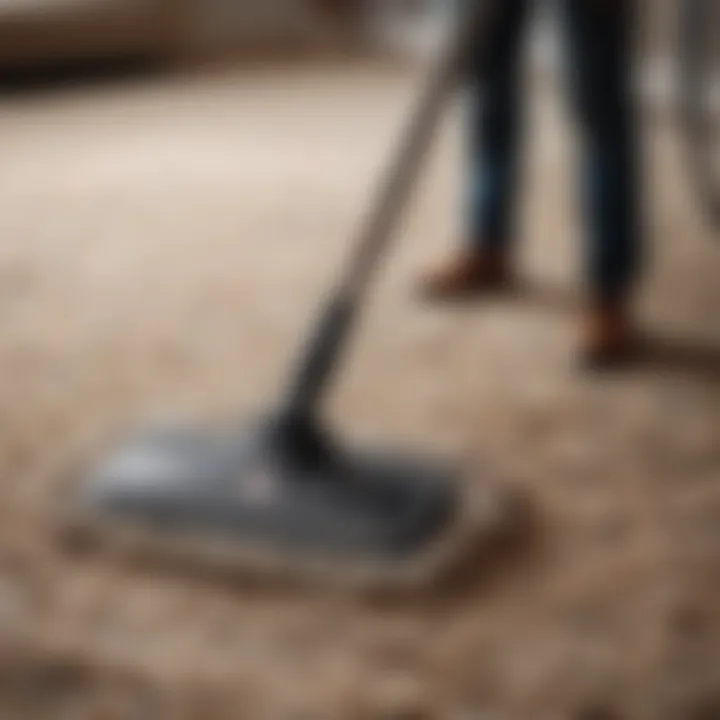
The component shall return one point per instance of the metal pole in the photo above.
(322, 355)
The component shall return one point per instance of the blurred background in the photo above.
(46, 31)
(179, 180)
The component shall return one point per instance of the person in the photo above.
(599, 44)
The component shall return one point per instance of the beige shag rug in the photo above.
(162, 245)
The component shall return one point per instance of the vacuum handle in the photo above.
(323, 352)
(394, 192)
(320, 358)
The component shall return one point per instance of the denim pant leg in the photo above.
(495, 128)
(599, 35)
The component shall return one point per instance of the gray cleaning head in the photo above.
(259, 488)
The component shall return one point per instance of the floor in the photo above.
(164, 245)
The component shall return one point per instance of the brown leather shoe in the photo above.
(610, 338)
(467, 274)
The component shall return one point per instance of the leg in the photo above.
(600, 41)
(493, 153)
(495, 129)
(600, 36)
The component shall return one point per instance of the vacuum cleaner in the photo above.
(284, 492)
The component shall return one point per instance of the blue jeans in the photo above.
(599, 61)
